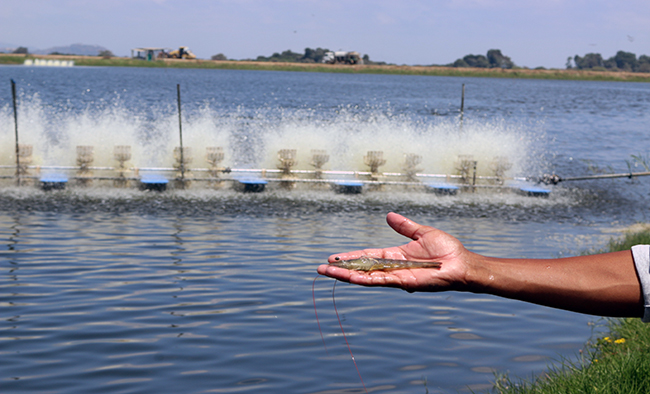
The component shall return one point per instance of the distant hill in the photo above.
(6, 47)
(74, 49)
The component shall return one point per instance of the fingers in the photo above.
(341, 274)
(404, 226)
(377, 278)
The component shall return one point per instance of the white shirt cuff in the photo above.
(641, 255)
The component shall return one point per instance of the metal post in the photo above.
(462, 107)
(180, 130)
(474, 177)
(13, 94)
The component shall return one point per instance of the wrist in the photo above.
(478, 274)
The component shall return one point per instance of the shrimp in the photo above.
(365, 263)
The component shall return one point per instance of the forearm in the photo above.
(604, 284)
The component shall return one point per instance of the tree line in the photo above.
(622, 61)
(493, 59)
(288, 56)
(309, 56)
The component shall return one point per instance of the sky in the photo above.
(532, 33)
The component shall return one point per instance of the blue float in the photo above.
(154, 183)
(53, 182)
(442, 188)
(348, 187)
(250, 185)
(534, 191)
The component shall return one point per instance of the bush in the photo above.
(106, 54)
(498, 60)
(494, 59)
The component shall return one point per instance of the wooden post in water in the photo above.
(462, 107)
(13, 94)
(180, 130)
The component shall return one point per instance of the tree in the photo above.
(287, 56)
(366, 60)
(610, 64)
(590, 60)
(21, 50)
(106, 54)
(476, 61)
(313, 55)
(496, 59)
(644, 64)
(460, 63)
(219, 56)
(569, 61)
(310, 56)
(626, 61)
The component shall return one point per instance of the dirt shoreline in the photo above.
(561, 74)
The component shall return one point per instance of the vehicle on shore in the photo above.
(180, 53)
(342, 57)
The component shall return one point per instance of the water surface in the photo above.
(201, 290)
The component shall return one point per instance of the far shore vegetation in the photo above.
(618, 362)
(624, 66)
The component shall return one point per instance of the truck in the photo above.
(342, 57)
(180, 53)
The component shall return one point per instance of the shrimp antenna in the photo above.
(313, 296)
(346, 339)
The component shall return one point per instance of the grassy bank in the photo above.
(616, 363)
(94, 61)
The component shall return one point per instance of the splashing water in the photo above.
(252, 139)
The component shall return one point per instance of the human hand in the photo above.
(429, 244)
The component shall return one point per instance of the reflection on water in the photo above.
(130, 301)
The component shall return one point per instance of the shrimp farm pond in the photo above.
(152, 268)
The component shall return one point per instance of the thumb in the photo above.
(403, 226)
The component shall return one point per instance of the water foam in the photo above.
(252, 139)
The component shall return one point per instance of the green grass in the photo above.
(394, 70)
(616, 363)
(631, 239)
(8, 59)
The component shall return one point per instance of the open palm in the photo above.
(429, 244)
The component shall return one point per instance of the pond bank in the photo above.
(586, 75)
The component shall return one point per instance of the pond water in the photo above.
(202, 290)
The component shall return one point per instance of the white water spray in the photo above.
(254, 141)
